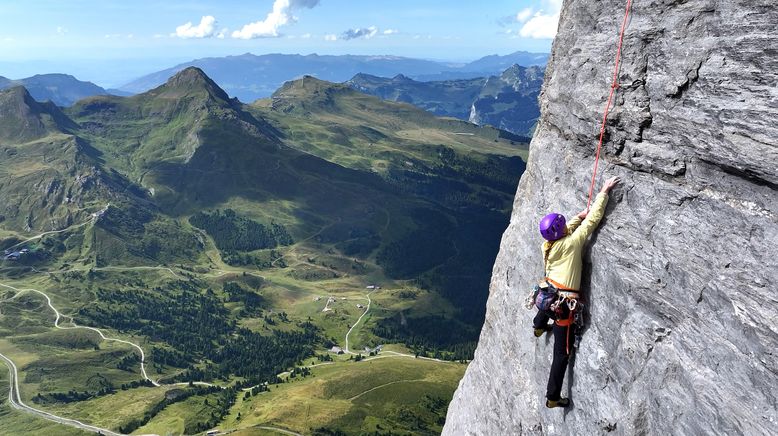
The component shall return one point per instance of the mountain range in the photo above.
(249, 77)
(62, 89)
(507, 101)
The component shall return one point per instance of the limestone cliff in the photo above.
(682, 276)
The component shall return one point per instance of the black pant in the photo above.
(563, 344)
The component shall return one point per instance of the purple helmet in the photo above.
(552, 226)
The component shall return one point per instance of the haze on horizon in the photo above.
(111, 42)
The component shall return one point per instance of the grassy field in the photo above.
(355, 397)
(14, 422)
(111, 411)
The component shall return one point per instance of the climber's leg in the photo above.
(541, 320)
(540, 324)
(559, 364)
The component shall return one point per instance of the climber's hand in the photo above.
(583, 214)
(609, 184)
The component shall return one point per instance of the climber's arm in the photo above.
(576, 221)
(594, 217)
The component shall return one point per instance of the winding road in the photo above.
(367, 309)
(15, 399)
(14, 394)
(59, 316)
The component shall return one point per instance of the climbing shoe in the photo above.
(539, 332)
(562, 402)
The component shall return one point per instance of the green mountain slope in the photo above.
(49, 177)
(462, 172)
(235, 242)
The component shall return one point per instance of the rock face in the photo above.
(681, 278)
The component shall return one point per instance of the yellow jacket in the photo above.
(565, 260)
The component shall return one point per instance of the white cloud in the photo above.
(330, 37)
(359, 32)
(305, 36)
(543, 23)
(277, 18)
(206, 28)
(158, 35)
(61, 30)
(391, 31)
(524, 15)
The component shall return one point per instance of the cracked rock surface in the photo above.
(681, 279)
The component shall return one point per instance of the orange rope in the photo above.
(614, 85)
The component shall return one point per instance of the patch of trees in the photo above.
(301, 372)
(170, 357)
(326, 431)
(497, 172)
(219, 409)
(188, 393)
(127, 363)
(198, 328)
(260, 357)
(231, 232)
(252, 302)
(261, 260)
(71, 396)
(431, 336)
(183, 318)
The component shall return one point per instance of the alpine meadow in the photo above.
(177, 261)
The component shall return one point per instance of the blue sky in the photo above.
(110, 41)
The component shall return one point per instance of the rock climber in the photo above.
(563, 254)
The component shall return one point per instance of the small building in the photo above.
(359, 306)
(336, 350)
(13, 256)
(370, 287)
(24, 250)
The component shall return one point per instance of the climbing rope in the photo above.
(614, 85)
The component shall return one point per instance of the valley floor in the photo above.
(366, 394)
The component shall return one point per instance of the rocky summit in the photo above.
(680, 279)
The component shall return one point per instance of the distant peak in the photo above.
(189, 75)
(192, 78)
(309, 86)
(402, 78)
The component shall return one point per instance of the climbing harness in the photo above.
(614, 86)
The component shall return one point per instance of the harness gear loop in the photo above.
(614, 86)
